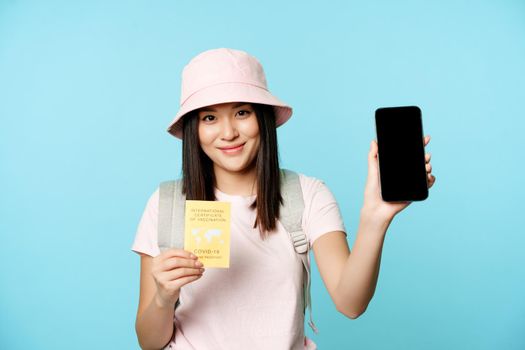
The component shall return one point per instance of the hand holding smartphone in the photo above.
(401, 154)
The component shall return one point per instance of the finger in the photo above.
(178, 262)
(172, 259)
(177, 284)
(372, 153)
(180, 273)
(372, 158)
(427, 157)
(373, 147)
(172, 252)
(426, 139)
(428, 166)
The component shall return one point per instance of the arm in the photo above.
(154, 322)
(161, 279)
(351, 279)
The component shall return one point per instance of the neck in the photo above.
(242, 183)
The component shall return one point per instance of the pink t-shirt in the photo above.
(257, 302)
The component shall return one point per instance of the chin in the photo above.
(236, 169)
(239, 167)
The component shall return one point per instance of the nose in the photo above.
(229, 130)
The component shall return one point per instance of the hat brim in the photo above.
(229, 92)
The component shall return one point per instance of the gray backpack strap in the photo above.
(171, 215)
(170, 233)
(291, 215)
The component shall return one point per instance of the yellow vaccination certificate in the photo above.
(207, 232)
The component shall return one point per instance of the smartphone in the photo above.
(401, 154)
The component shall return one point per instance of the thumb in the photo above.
(372, 153)
(372, 159)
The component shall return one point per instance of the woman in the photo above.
(227, 121)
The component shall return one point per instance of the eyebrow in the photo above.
(208, 109)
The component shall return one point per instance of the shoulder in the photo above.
(321, 210)
(311, 185)
(314, 190)
(153, 201)
(146, 235)
(165, 190)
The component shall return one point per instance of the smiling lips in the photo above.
(232, 149)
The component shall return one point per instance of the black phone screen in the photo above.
(401, 154)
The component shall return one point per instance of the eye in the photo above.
(244, 113)
(208, 118)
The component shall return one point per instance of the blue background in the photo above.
(87, 90)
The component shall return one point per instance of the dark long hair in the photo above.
(199, 178)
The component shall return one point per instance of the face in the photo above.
(229, 135)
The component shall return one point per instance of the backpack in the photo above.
(171, 223)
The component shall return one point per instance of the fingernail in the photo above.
(192, 256)
(199, 264)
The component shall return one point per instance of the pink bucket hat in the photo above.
(224, 75)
